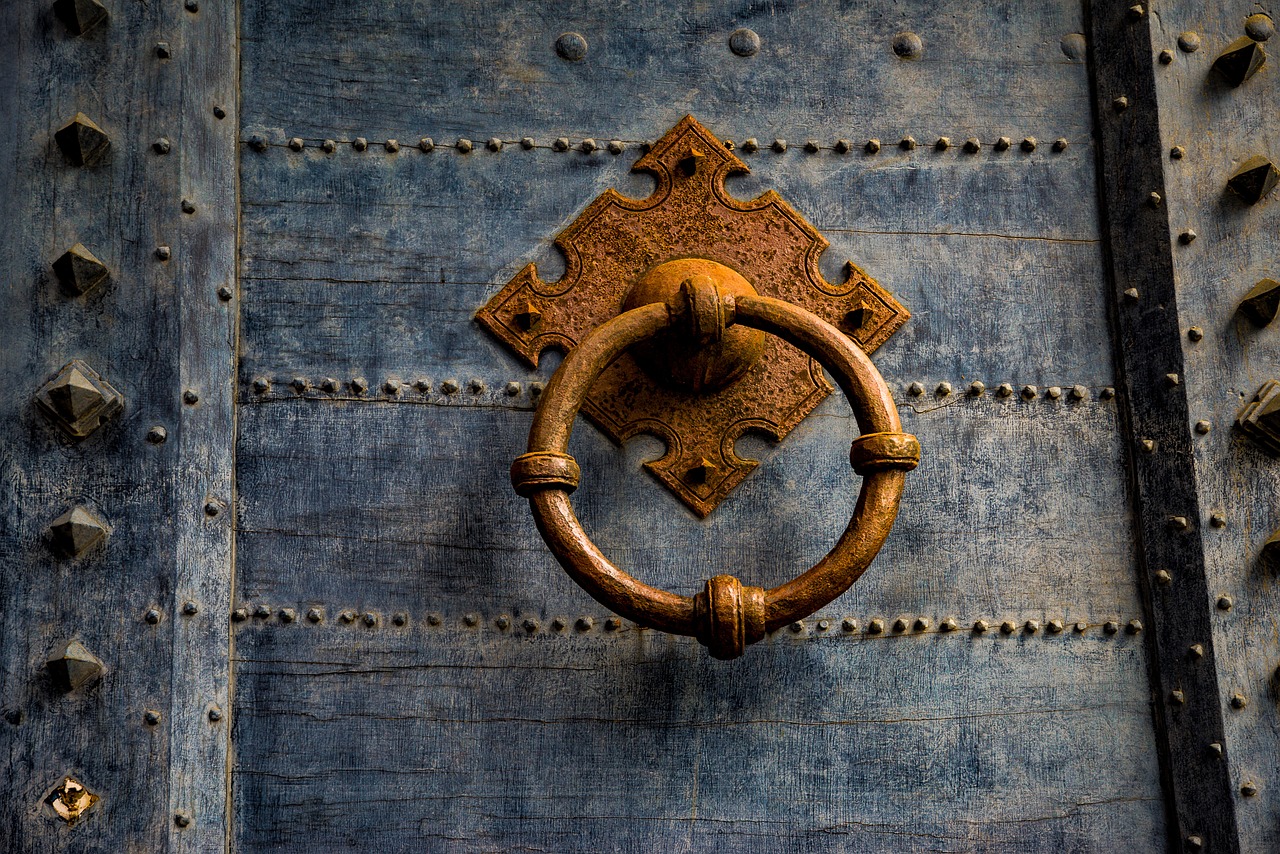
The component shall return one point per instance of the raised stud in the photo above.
(79, 16)
(1079, 392)
(907, 45)
(391, 146)
(75, 531)
(1259, 27)
(843, 146)
(943, 389)
(900, 625)
(1029, 144)
(1224, 603)
(70, 800)
(1255, 178)
(1196, 650)
(702, 472)
(875, 626)
(848, 624)
(812, 146)
(797, 627)
(1060, 144)
(1002, 144)
(943, 143)
(980, 626)
(1029, 392)
(1054, 627)
(329, 146)
(82, 142)
(72, 666)
(1240, 61)
(1110, 627)
(1239, 701)
(315, 615)
(907, 143)
(1008, 627)
(589, 146)
(1053, 392)
(872, 146)
(1248, 788)
(1166, 57)
(1177, 152)
(258, 143)
(1031, 626)
(1189, 42)
(79, 270)
(977, 387)
(751, 145)
(1120, 103)
(78, 400)
(1005, 390)
(1262, 302)
(744, 42)
(948, 624)
(1163, 578)
(921, 624)
(972, 145)
(1177, 697)
(779, 145)
(571, 47)
(1133, 627)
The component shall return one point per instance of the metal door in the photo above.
(266, 585)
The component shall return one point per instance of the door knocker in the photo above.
(690, 281)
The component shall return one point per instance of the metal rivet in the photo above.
(391, 387)
(449, 386)
(1133, 627)
(972, 145)
(584, 624)
(527, 143)
(612, 624)
(1196, 650)
(1107, 393)
(980, 626)
(1224, 603)
(1055, 627)
(329, 146)
(843, 146)
(471, 619)
(300, 384)
(370, 619)
(1154, 199)
(750, 145)
(921, 624)
(426, 144)
(1005, 390)
(615, 146)
(942, 144)
(1179, 523)
(190, 609)
(1195, 842)
(943, 389)
(191, 5)
(190, 398)
(1163, 578)
(1131, 294)
(183, 819)
(1060, 144)
(589, 146)
(258, 143)
(1177, 152)
(535, 389)
(288, 615)
(977, 387)
(1239, 701)
(161, 146)
(188, 206)
(1079, 392)
(1008, 627)
(1120, 104)
(1029, 144)
(875, 626)
(1187, 236)
(900, 625)
(1248, 788)
(1189, 42)
(1215, 748)
(1166, 56)
(464, 145)
(1148, 445)
(1080, 627)
(744, 42)
(557, 624)
(1032, 626)
(391, 146)
(1135, 13)
(796, 627)
(239, 615)
(907, 143)
(295, 143)
(779, 145)
(359, 385)
(1177, 697)
(329, 385)
(1195, 333)
(907, 45)
(350, 617)
(872, 146)
(219, 113)
(1111, 627)
(399, 619)
(948, 624)
(315, 615)
(823, 625)
(503, 622)
(434, 619)
(1218, 519)
(422, 384)
(1259, 27)
(360, 143)
(476, 386)
(849, 624)
(164, 253)
(1029, 392)
(1002, 144)
(915, 389)
(512, 389)
(156, 435)
(1172, 380)
(1053, 392)
(152, 616)
(571, 46)
(151, 716)
(812, 146)
(215, 715)
(262, 612)
(162, 50)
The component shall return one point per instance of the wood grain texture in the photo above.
(127, 329)
(1221, 127)
(433, 737)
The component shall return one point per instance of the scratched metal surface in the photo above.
(1220, 127)
(438, 734)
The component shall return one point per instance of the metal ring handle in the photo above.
(727, 615)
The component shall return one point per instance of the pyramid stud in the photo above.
(1261, 303)
(528, 317)
(691, 163)
(73, 665)
(79, 270)
(70, 800)
(80, 16)
(704, 471)
(75, 531)
(78, 399)
(1256, 177)
(82, 142)
(1240, 61)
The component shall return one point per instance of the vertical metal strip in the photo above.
(1139, 244)
(207, 59)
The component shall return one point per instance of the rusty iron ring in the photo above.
(726, 616)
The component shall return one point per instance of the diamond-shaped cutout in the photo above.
(82, 142)
(75, 531)
(1256, 177)
(72, 666)
(70, 800)
(616, 240)
(1262, 302)
(80, 16)
(79, 270)
(1240, 61)
(78, 399)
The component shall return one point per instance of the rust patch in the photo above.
(616, 240)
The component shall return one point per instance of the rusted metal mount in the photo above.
(726, 616)
(698, 397)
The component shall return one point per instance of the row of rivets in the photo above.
(977, 388)
(589, 145)
(744, 42)
(394, 387)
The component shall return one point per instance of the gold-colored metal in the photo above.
(70, 800)
(616, 255)
(726, 616)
